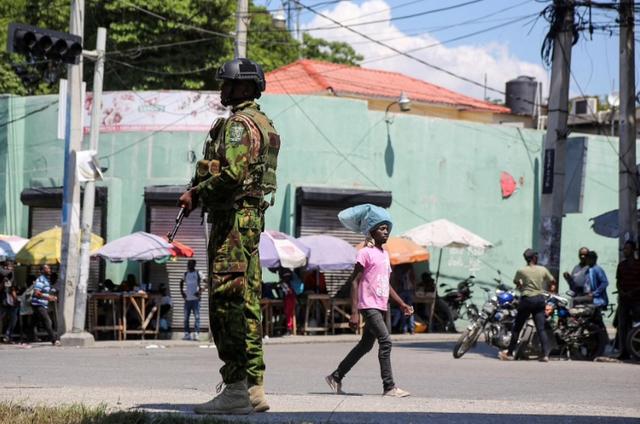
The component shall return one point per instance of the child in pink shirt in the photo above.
(370, 291)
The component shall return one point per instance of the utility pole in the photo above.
(71, 193)
(78, 335)
(242, 15)
(628, 190)
(555, 145)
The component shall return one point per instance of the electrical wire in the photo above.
(188, 26)
(177, 73)
(28, 114)
(401, 53)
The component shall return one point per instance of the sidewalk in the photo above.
(289, 340)
(205, 343)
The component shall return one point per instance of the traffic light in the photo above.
(41, 44)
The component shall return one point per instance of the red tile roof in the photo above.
(311, 76)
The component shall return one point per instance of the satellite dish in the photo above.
(613, 99)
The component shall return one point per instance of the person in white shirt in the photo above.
(191, 296)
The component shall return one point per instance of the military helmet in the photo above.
(242, 69)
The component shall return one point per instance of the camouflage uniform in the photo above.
(233, 194)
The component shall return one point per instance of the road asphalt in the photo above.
(169, 376)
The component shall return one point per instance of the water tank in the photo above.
(521, 95)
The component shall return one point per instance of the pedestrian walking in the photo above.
(40, 303)
(232, 182)
(9, 303)
(191, 296)
(532, 281)
(370, 292)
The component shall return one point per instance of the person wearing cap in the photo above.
(231, 182)
(370, 292)
(532, 281)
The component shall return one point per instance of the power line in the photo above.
(397, 18)
(164, 73)
(188, 26)
(30, 113)
(399, 52)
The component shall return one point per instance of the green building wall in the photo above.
(435, 168)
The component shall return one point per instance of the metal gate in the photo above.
(317, 211)
(161, 220)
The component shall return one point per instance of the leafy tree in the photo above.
(156, 44)
(330, 51)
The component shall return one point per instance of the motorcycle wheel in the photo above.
(593, 345)
(467, 339)
(633, 343)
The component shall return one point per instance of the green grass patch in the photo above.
(16, 413)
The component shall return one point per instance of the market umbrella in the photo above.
(329, 253)
(139, 246)
(403, 251)
(10, 245)
(606, 224)
(180, 249)
(279, 249)
(46, 248)
(442, 233)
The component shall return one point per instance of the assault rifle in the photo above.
(172, 234)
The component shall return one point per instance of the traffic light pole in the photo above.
(552, 201)
(628, 179)
(242, 14)
(69, 265)
(79, 335)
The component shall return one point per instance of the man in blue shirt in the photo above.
(40, 303)
(597, 280)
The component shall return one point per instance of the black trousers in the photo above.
(41, 314)
(530, 305)
(374, 329)
(626, 312)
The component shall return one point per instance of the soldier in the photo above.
(238, 171)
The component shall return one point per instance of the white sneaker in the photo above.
(396, 392)
(186, 336)
(196, 336)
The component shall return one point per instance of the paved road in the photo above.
(475, 389)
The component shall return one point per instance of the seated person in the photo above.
(315, 282)
(109, 286)
(165, 301)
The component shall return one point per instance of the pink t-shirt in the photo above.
(373, 290)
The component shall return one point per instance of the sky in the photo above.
(496, 39)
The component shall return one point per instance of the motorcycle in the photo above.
(574, 329)
(633, 337)
(495, 320)
(454, 304)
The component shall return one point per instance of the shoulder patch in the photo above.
(236, 130)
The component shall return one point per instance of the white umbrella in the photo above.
(443, 233)
(10, 246)
(138, 246)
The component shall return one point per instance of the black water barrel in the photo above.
(521, 95)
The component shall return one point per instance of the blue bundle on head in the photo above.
(364, 218)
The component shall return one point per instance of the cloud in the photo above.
(468, 60)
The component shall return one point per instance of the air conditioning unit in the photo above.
(584, 106)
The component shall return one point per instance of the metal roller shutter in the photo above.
(324, 220)
(161, 220)
(42, 219)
